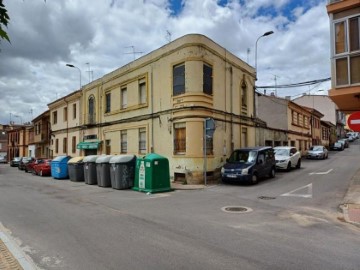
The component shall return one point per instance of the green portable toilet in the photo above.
(152, 174)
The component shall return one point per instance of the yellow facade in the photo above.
(65, 119)
(136, 109)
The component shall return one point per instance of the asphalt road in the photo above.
(294, 222)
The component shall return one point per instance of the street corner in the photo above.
(351, 213)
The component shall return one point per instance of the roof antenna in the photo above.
(168, 36)
(133, 51)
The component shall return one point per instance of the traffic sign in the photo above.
(354, 121)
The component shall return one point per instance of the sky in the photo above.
(100, 36)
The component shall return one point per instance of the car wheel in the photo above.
(288, 167)
(298, 165)
(272, 172)
(254, 179)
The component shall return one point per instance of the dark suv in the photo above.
(249, 165)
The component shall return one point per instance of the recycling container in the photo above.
(76, 169)
(152, 174)
(122, 171)
(103, 171)
(90, 175)
(59, 167)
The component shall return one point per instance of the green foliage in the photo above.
(4, 20)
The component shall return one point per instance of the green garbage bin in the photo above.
(152, 174)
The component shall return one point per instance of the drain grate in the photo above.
(266, 198)
(236, 209)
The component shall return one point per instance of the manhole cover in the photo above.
(236, 209)
(266, 198)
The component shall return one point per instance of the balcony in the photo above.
(91, 119)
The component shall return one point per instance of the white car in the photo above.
(287, 157)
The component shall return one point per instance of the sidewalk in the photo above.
(11, 255)
(351, 203)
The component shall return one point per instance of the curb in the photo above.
(11, 255)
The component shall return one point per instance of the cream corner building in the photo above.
(159, 102)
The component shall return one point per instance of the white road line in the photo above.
(293, 193)
(327, 172)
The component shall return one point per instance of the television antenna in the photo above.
(133, 51)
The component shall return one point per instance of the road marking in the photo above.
(327, 172)
(293, 193)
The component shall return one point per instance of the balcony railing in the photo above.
(91, 119)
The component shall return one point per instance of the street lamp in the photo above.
(264, 35)
(72, 66)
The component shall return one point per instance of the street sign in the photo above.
(354, 121)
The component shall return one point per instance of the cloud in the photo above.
(45, 36)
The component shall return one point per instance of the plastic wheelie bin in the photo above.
(152, 174)
(122, 171)
(103, 171)
(90, 176)
(76, 169)
(59, 167)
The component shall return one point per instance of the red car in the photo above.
(29, 167)
(43, 168)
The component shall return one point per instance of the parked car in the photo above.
(287, 157)
(43, 168)
(342, 143)
(317, 152)
(345, 141)
(249, 165)
(23, 161)
(337, 146)
(3, 159)
(29, 167)
(15, 162)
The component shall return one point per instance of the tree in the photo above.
(4, 20)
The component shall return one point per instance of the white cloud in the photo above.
(47, 35)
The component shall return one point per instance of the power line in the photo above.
(296, 84)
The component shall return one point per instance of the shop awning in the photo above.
(88, 145)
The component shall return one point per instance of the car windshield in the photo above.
(282, 152)
(243, 156)
(316, 148)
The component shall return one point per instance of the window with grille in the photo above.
(123, 142)
(142, 140)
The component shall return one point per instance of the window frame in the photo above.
(178, 74)
(207, 79)
(108, 102)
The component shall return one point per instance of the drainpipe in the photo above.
(152, 110)
(231, 111)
